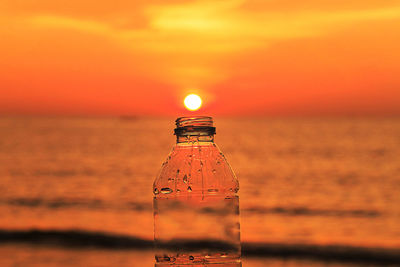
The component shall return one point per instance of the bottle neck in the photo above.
(194, 130)
(194, 139)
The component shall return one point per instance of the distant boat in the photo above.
(128, 117)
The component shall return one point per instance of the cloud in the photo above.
(60, 22)
(191, 38)
(216, 26)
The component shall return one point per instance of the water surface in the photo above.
(305, 184)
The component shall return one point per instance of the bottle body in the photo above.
(196, 206)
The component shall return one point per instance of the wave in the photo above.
(85, 239)
(338, 253)
(140, 206)
(304, 211)
(74, 238)
(75, 203)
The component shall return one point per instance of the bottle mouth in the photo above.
(196, 125)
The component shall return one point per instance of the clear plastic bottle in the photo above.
(196, 205)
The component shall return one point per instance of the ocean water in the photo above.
(313, 191)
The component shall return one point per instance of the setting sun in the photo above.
(192, 102)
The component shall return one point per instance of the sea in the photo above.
(314, 191)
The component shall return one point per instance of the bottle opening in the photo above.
(197, 125)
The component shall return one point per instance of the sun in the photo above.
(192, 102)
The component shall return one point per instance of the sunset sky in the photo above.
(256, 57)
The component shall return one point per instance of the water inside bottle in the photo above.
(201, 228)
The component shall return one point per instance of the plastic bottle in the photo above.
(196, 205)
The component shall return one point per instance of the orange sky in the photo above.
(273, 57)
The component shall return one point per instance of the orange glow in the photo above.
(252, 57)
